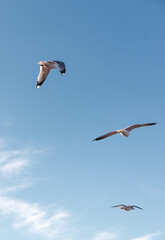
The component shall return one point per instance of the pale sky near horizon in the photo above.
(55, 182)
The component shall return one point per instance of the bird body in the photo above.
(127, 208)
(125, 131)
(45, 67)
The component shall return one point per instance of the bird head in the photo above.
(41, 62)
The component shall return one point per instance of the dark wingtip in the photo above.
(96, 139)
(141, 208)
(154, 123)
(63, 72)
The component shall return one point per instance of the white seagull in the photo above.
(125, 132)
(45, 67)
(127, 208)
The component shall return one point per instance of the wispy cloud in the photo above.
(106, 236)
(114, 235)
(36, 219)
(16, 187)
(14, 161)
(13, 167)
(8, 155)
(148, 236)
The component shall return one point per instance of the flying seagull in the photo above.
(45, 67)
(125, 132)
(127, 208)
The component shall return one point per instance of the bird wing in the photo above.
(61, 67)
(44, 71)
(106, 135)
(119, 205)
(130, 128)
(137, 207)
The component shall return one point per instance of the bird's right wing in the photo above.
(44, 71)
(106, 135)
(137, 207)
(61, 67)
(139, 125)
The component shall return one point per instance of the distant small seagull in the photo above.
(45, 67)
(127, 208)
(125, 132)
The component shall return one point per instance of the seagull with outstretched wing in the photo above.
(127, 208)
(45, 67)
(125, 132)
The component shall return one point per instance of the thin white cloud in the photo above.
(106, 236)
(13, 162)
(148, 236)
(7, 155)
(36, 219)
(17, 187)
(14, 167)
(43, 221)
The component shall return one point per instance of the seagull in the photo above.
(45, 67)
(127, 208)
(125, 132)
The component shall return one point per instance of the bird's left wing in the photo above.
(44, 71)
(119, 205)
(139, 125)
(106, 135)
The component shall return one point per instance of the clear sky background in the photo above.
(55, 182)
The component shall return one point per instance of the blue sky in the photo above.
(55, 182)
